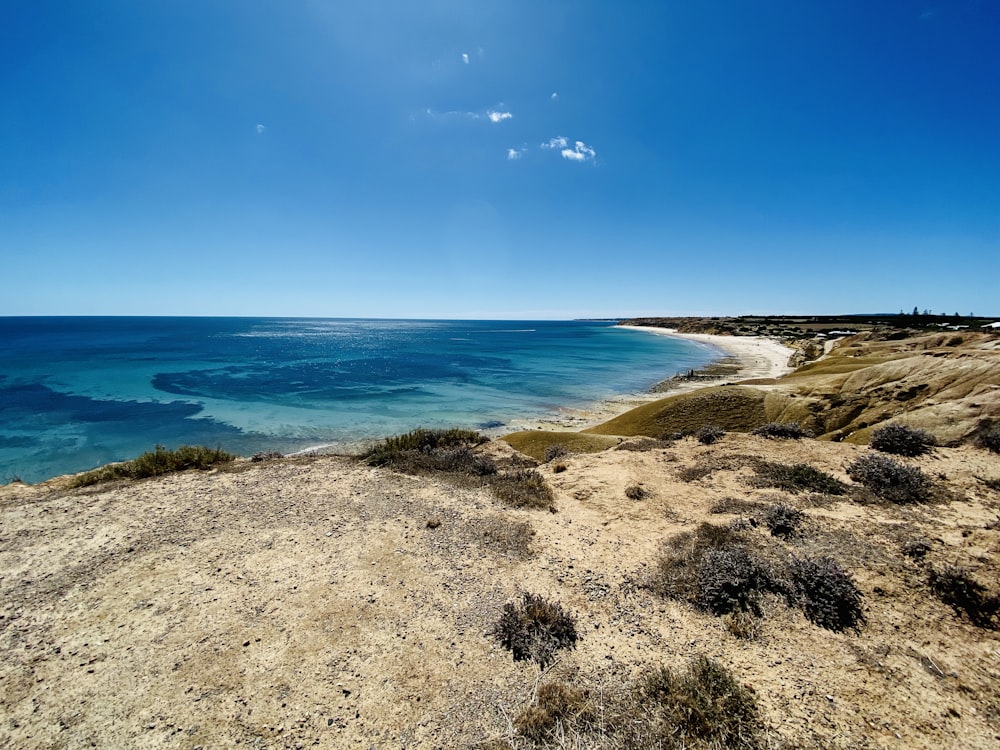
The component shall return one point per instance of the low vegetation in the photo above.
(535, 629)
(890, 480)
(901, 440)
(781, 431)
(703, 706)
(508, 536)
(155, 463)
(407, 450)
(795, 478)
(989, 438)
(522, 488)
(636, 492)
(956, 587)
(782, 520)
(709, 434)
(559, 709)
(720, 571)
(826, 593)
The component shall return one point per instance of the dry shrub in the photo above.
(956, 587)
(890, 480)
(782, 520)
(917, 548)
(795, 478)
(522, 488)
(781, 431)
(901, 440)
(554, 451)
(535, 629)
(508, 536)
(559, 708)
(261, 456)
(642, 444)
(559, 468)
(731, 580)
(825, 593)
(675, 571)
(712, 569)
(704, 706)
(988, 436)
(744, 625)
(636, 492)
(709, 434)
(735, 505)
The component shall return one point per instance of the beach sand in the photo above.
(744, 358)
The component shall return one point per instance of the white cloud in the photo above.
(261, 128)
(465, 57)
(580, 151)
(554, 96)
(515, 153)
(496, 116)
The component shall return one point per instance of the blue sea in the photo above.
(76, 393)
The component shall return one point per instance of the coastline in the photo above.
(746, 358)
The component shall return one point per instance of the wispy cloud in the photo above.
(465, 57)
(579, 151)
(555, 95)
(493, 115)
(261, 128)
(515, 153)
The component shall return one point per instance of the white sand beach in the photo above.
(755, 356)
(759, 357)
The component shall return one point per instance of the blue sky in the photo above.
(508, 159)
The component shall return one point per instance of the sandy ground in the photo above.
(754, 357)
(308, 603)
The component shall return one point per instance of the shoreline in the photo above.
(746, 358)
(743, 358)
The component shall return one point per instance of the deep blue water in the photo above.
(76, 393)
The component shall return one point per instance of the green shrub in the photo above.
(157, 462)
(709, 434)
(890, 480)
(703, 706)
(522, 488)
(535, 629)
(402, 447)
(825, 593)
(797, 478)
(781, 431)
(954, 585)
(901, 440)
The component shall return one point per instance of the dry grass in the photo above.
(156, 463)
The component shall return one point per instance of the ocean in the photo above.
(76, 393)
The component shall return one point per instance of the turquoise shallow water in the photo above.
(76, 393)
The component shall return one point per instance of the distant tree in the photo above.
(916, 310)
